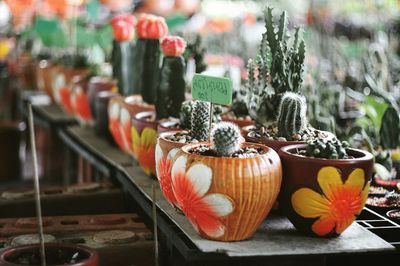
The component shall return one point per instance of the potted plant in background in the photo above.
(325, 185)
(211, 185)
(170, 95)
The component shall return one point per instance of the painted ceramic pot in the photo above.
(165, 152)
(80, 101)
(44, 76)
(241, 123)
(125, 108)
(167, 125)
(97, 85)
(101, 110)
(226, 199)
(144, 138)
(322, 197)
(86, 256)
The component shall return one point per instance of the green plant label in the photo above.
(212, 89)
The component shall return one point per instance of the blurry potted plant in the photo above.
(200, 174)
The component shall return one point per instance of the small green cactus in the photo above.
(185, 114)
(200, 121)
(327, 149)
(225, 139)
(76, 59)
(278, 68)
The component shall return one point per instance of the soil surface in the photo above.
(246, 152)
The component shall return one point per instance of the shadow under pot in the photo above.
(226, 198)
(144, 138)
(166, 149)
(322, 197)
(56, 254)
(101, 110)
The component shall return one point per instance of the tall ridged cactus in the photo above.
(185, 114)
(390, 129)
(292, 117)
(200, 121)
(225, 138)
(277, 69)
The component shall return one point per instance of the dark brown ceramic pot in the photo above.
(86, 256)
(167, 125)
(144, 138)
(97, 85)
(322, 197)
(101, 113)
(165, 152)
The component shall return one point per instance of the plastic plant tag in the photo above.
(212, 89)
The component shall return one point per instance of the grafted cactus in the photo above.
(292, 117)
(200, 121)
(225, 138)
(277, 69)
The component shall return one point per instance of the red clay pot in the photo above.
(144, 138)
(90, 257)
(322, 197)
(165, 152)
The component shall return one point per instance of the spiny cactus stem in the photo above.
(211, 120)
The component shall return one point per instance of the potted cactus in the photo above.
(325, 185)
(169, 142)
(122, 53)
(211, 184)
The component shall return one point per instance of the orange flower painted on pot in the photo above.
(337, 208)
(144, 149)
(114, 124)
(80, 105)
(204, 210)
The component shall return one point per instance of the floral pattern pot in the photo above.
(88, 256)
(226, 199)
(80, 101)
(44, 76)
(144, 138)
(167, 125)
(165, 153)
(322, 197)
(101, 113)
(96, 85)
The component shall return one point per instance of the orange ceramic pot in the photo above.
(165, 152)
(144, 138)
(322, 197)
(80, 101)
(44, 76)
(226, 199)
(125, 109)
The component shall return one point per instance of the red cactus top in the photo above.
(151, 27)
(173, 46)
(123, 27)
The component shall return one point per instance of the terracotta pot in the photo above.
(124, 109)
(322, 197)
(80, 101)
(144, 138)
(165, 152)
(88, 256)
(101, 113)
(239, 121)
(226, 199)
(25, 70)
(44, 74)
(97, 85)
(168, 125)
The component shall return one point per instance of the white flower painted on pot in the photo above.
(163, 169)
(202, 210)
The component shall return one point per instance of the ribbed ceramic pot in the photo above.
(144, 138)
(226, 199)
(322, 197)
(165, 152)
(80, 101)
(96, 85)
(101, 113)
(88, 257)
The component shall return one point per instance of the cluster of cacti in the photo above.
(278, 68)
(200, 121)
(171, 89)
(225, 138)
(185, 115)
(292, 116)
(76, 59)
(327, 149)
(390, 129)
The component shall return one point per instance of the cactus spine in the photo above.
(185, 114)
(292, 117)
(390, 129)
(200, 121)
(279, 67)
(327, 149)
(225, 139)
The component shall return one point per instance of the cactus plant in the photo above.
(225, 139)
(278, 68)
(328, 149)
(171, 89)
(196, 51)
(390, 129)
(292, 115)
(200, 121)
(185, 114)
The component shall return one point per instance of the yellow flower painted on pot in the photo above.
(144, 149)
(337, 208)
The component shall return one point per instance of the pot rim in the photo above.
(163, 136)
(141, 115)
(267, 150)
(92, 254)
(286, 152)
(393, 210)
